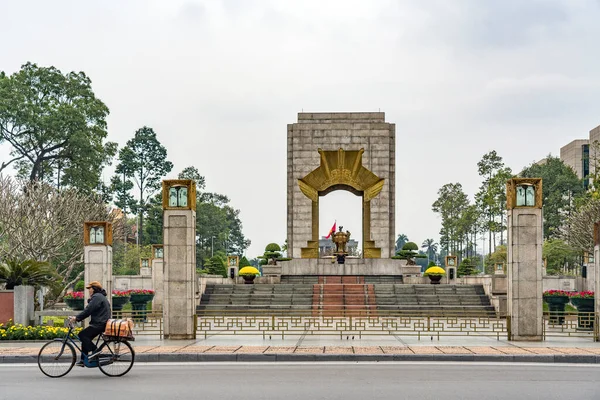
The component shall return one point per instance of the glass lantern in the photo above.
(525, 195)
(178, 196)
(97, 234)
(158, 252)
(145, 263)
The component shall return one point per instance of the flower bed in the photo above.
(11, 331)
(121, 293)
(141, 291)
(556, 293)
(581, 295)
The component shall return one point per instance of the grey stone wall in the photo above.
(330, 132)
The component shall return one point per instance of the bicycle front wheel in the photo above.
(116, 358)
(56, 358)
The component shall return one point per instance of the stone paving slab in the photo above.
(454, 350)
(26, 353)
(368, 350)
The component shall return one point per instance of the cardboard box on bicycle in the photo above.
(119, 328)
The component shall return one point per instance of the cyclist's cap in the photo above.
(94, 284)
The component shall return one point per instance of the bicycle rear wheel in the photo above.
(56, 358)
(116, 358)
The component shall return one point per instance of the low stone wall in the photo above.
(7, 305)
(353, 266)
(126, 282)
(559, 283)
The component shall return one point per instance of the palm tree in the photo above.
(400, 242)
(431, 247)
(29, 272)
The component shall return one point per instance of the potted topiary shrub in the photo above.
(74, 301)
(584, 302)
(409, 252)
(556, 300)
(435, 274)
(272, 254)
(249, 273)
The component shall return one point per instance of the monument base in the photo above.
(352, 266)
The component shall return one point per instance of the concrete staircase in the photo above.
(348, 296)
(266, 298)
(433, 299)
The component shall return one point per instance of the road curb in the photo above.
(287, 357)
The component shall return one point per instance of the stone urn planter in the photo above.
(556, 307)
(585, 311)
(75, 301)
(75, 304)
(119, 299)
(139, 303)
(435, 274)
(249, 273)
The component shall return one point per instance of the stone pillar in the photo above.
(596, 268)
(158, 278)
(24, 305)
(97, 256)
(524, 258)
(179, 233)
(451, 276)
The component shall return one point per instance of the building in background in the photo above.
(577, 156)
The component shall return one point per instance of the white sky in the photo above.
(219, 80)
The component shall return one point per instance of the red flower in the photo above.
(555, 293)
(74, 295)
(582, 295)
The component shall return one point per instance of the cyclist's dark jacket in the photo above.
(99, 308)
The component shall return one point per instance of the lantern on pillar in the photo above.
(524, 192)
(179, 194)
(144, 263)
(157, 251)
(97, 233)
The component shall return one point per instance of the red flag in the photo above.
(331, 231)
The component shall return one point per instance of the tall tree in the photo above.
(143, 160)
(55, 127)
(451, 204)
(38, 222)
(431, 248)
(491, 197)
(579, 228)
(560, 188)
(400, 242)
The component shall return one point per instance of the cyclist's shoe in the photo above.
(94, 355)
(80, 363)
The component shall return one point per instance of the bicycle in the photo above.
(114, 357)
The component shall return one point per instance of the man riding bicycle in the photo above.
(100, 311)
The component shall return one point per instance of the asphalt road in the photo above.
(310, 381)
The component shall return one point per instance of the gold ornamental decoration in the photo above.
(341, 170)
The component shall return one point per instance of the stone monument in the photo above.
(179, 235)
(354, 152)
(97, 255)
(524, 258)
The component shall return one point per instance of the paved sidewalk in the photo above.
(319, 348)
